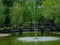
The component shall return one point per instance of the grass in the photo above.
(11, 40)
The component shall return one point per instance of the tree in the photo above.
(16, 14)
(7, 4)
(51, 9)
(2, 16)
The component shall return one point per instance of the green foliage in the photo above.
(16, 13)
(26, 10)
(51, 8)
(57, 21)
(2, 8)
